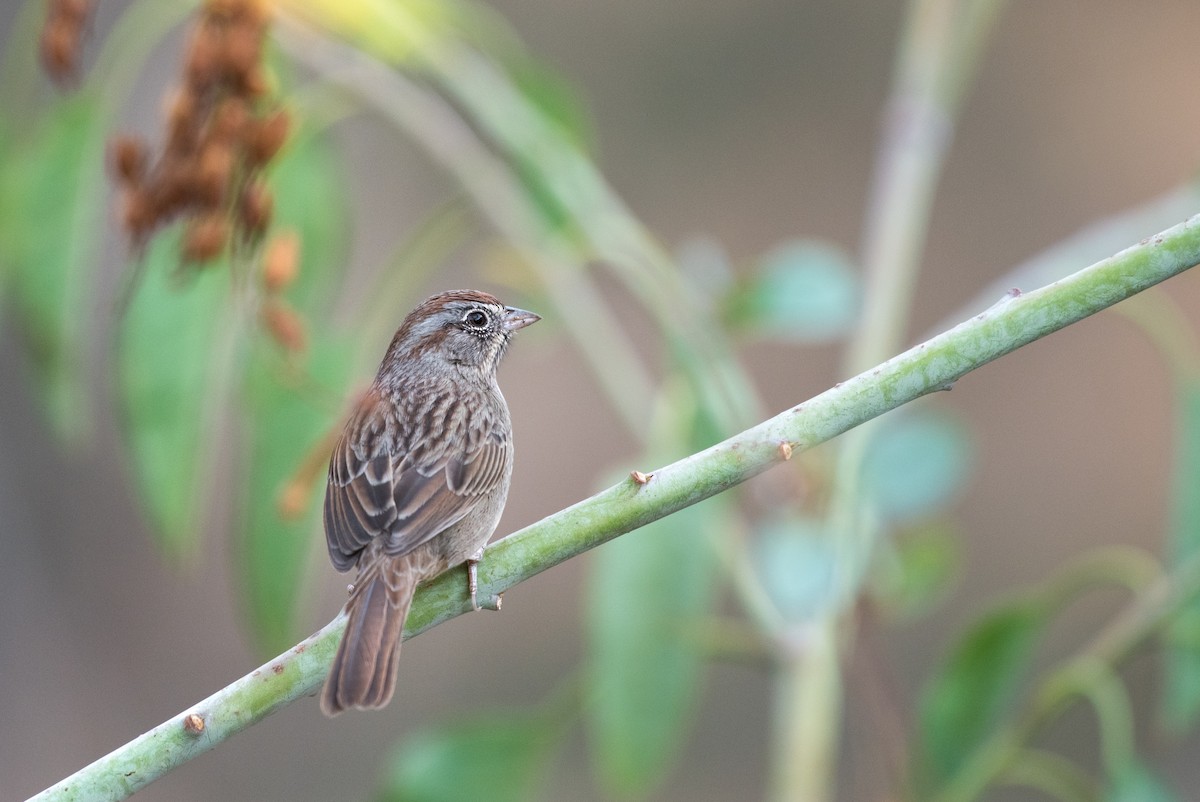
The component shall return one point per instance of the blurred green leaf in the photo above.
(1181, 694)
(546, 88)
(804, 290)
(967, 698)
(1136, 783)
(306, 180)
(645, 672)
(556, 216)
(174, 356)
(292, 403)
(500, 758)
(290, 408)
(797, 564)
(51, 205)
(19, 68)
(922, 568)
(915, 464)
(556, 98)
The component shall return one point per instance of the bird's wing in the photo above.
(408, 496)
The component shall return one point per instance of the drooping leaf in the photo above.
(1181, 694)
(915, 463)
(645, 672)
(51, 206)
(804, 290)
(290, 409)
(500, 758)
(175, 351)
(1136, 783)
(967, 698)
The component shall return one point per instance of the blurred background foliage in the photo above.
(257, 294)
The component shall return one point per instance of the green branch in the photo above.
(936, 364)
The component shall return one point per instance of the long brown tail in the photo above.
(364, 670)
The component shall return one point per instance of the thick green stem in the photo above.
(808, 706)
(933, 365)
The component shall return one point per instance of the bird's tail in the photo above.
(364, 670)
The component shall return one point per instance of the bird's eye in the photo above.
(476, 318)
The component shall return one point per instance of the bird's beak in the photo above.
(518, 318)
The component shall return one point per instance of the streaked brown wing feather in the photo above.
(349, 522)
(476, 473)
(391, 494)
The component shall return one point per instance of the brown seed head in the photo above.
(205, 237)
(173, 188)
(230, 120)
(256, 13)
(281, 261)
(204, 50)
(214, 172)
(182, 122)
(257, 207)
(266, 137)
(254, 83)
(137, 212)
(242, 49)
(292, 500)
(72, 10)
(222, 10)
(284, 324)
(128, 157)
(60, 49)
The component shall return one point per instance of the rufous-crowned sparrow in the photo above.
(418, 479)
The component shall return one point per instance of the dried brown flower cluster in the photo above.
(221, 131)
(62, 36)
(281, 262)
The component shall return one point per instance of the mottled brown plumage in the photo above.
(418, 478)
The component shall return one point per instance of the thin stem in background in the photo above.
(938, 53)
(928, 367)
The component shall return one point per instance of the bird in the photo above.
(417, 479)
